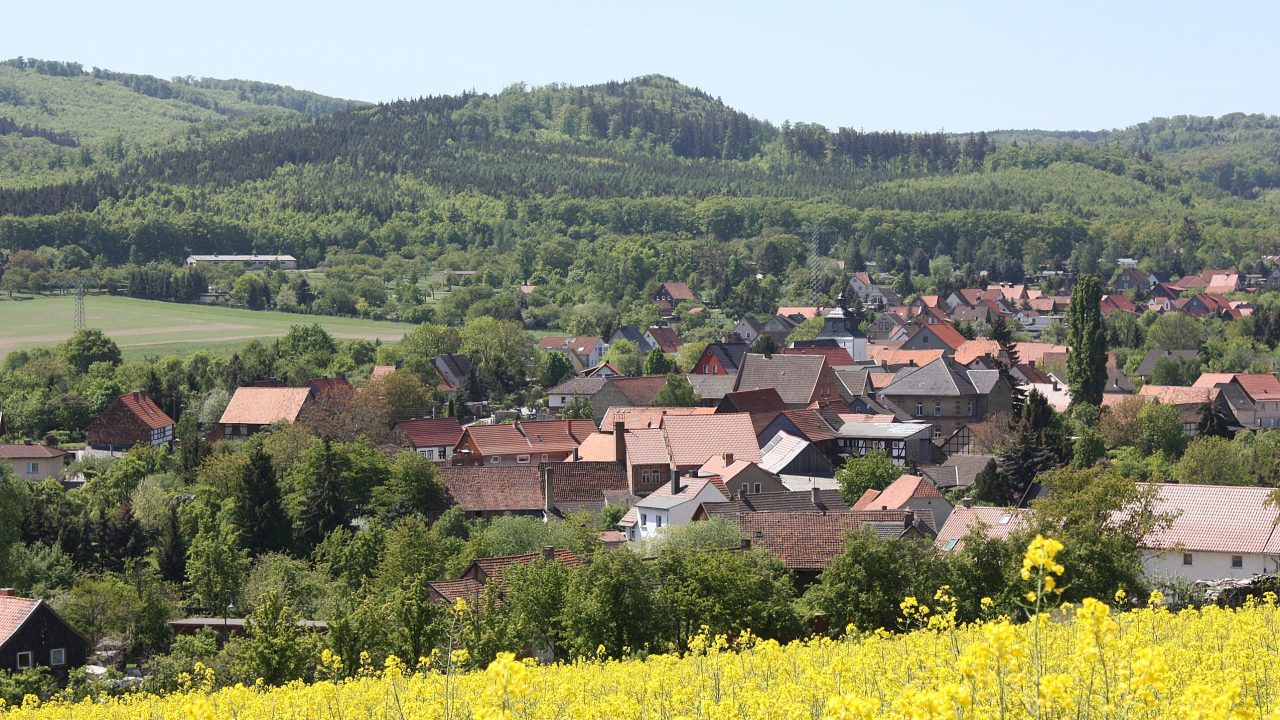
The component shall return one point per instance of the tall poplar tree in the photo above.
(1087, 335)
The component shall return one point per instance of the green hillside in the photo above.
(59, 120)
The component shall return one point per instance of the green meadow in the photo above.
(150, 327)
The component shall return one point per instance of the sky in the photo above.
(911, 66)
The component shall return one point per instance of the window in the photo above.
(493, 460)
(33, 468)
(756, 489)
(919, 408)
(1237, 561)
(644, 476)
(644, 519)
(937, 408)
(24, 661)
(658, 520)
(430, 453)
(58, 657)
(522, 459)
(1186, 558)
(951, 544)
(544, 457)
(970, 412)
(937, 432)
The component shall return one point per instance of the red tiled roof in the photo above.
(1178, 395)
(807, 541)
(1208, 380)
(494, 568)
(638, 391)
(431, 432)
(468, 589)
(885, 355)
(381, 371)
(836, 356)
(1034, 352)
(646, 417)
(948, 335)
(326, 385)
(808, 312)
(811, 425)
(265, 405)
(1260, 386)
(666, 338)
(529, 437)
(146, 410)
(1216, 518)
(678, 291)
(581, 345)
(899, 492)
(14, 611)
(494, 489)
(971, 350)
(695, 438)
(584, 481)
(22, 451)
(1000, 524)
(764, 400)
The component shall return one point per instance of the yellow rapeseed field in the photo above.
(1085, 661)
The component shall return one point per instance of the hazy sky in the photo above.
(953, 66)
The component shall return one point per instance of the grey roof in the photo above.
(942, 377)
(1117, 382)
(752, 323)
(1235, 398)
(1148, 364)
(632, 334)
(579, 386)
(453, 367)
(793, 376)
(984, 380)
(787, 501)
(712, 387)
(781, 450)
(853, 380)
(959, 470)
(729, 354)
(882, 431)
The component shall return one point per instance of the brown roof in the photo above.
(678, 291)
(535, 436)
(666, 338)
(493, 569)
(265, 405)
(381, 371)
(326, 385)
(810, 424)
(14, 611)
(999, 523)
(695, 438)
(836, 356)
(145, 409)
(807, 541)
(494, 489)
(585, 485)
(1260, 386)
(23, 451)
(450, 590)
(431, 432)
(1034, 352)
(971, 350)
(641, 390)
(764, 400)
(794, 376)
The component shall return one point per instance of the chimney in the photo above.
(813, 495)
(7, 592)
(549, 503)
(728, 459)
(675, 480)
(909, 519)
(620, 442)
(548, 552)
(966, 501)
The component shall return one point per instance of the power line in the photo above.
(79, 318)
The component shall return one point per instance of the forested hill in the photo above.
(59, 118)
(477, 173)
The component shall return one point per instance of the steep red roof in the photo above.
(14, 611)
(529, 437)
(899, 492)
(146, 410)
(431, 432)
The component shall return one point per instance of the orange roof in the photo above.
(381, 371)
(807, 312)
(1033, 352)
(695, 438)
(1260, 386)
(1000, 524)
(647, 417)
(525, 437)
(265, 405)
(1178, 395)
(1208, 380)
(971, 350)
(146, 410)
(947, 334)
(884, 355)
(717, 466)
(899, 492)
(14, 611)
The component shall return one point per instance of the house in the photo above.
(1217, 532)
(746, 331)
(807, 542)
(248, 262)
(521, 443)
(870, 294)
(720, 359)
(574, 487)
(131, 419)
(670, 295)
(253, 408)
(663, 338)
(1189, 401)
(837, 357)
(903, 442)
(741, 477)
(1206, 304)
(381, 371)
(712, 388)
(909, 492)
(1254, 398)
(685, 442)
(948, 395)
(840, 326)
(453, 369)
(33, 635)
(959, 470)
(583, 352)
(638, 418)
(939, 336)
(893, 359)
(633, 335)
(434, 438)
(810, 424)
(1147, 367)
(483, 572)
(799, 379)
(1117, 303)
(628, 392)
(787, 454)
(35, 462)
(994, 522)
(1132, 278)
(885, 326)
(602, 370)
(575, 388)
(482, 492)
(971, 351)
(672, 503)
(762, 405)
(810, 500)
(779, 327)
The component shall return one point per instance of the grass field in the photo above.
(150, 327)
